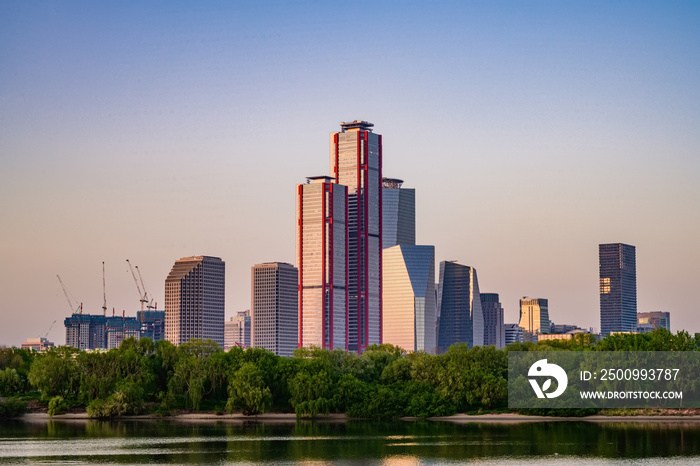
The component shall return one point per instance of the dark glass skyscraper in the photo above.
(494, 331)
(356, 162)
(460, 318)
(618, 288)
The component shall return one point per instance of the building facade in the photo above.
(618, 288)
(494, 331)
(118, 329)
(152, 324)
(649, 321)
(514, 334)
(534, 317)
(37, 344)
(408, 292)
(86, 331)
(460, 317)
(274, 307)
(356, 162)
(398, 214)
(322, 260)
(237, 331)
(195, 300)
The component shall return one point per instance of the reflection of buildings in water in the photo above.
(401, 460)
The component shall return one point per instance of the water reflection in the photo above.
(320, 443)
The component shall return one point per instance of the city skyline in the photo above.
(533, 133)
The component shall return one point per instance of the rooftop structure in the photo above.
(356, 125)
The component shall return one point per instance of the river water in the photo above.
(353, 442)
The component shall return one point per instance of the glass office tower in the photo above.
(321, 239)
(356, 162)
(618, 288)
(460, 318)
(398, 213)
(410, 310)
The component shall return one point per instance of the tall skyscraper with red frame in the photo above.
(356, 162)
(322, 260)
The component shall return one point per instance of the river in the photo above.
(352, 442)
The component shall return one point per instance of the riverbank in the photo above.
(493, 418)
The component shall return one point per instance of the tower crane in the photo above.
(143, 298)
(46, 335)
(73, 307)
(150, 305)
(104, 291)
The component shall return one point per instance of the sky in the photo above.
(532, 131)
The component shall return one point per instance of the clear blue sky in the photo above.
(531, 130)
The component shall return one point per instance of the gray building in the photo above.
(274, 307)
(356, 162)
(460, 317)
(398, 213)
(195, 299)
(494, 331)
(618, 288)
(237, 331)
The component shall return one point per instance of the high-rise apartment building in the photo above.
(494, 330)
(534, 317)
(274, 307)
(460, 317)
(86, 331)
(322, 260)
(398, 214)
(237, 331)
(194, 300)
(356, 162)
(618, 288)
(408, 291)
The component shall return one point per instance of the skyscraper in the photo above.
(410, 310)
(460, 318)
(618, 288)
(322, 260)
(534, 317)
(356, 162)
(274, 307)
(398, 214)
(494, 331)
(194, 300)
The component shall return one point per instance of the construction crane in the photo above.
(104, 291)
(73, 307)
(143, 297)
(46, 335)
(150, 305)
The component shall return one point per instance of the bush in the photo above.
(57, 405)
(12, 407)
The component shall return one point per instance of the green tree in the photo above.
(55, 372)
(248, 391)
